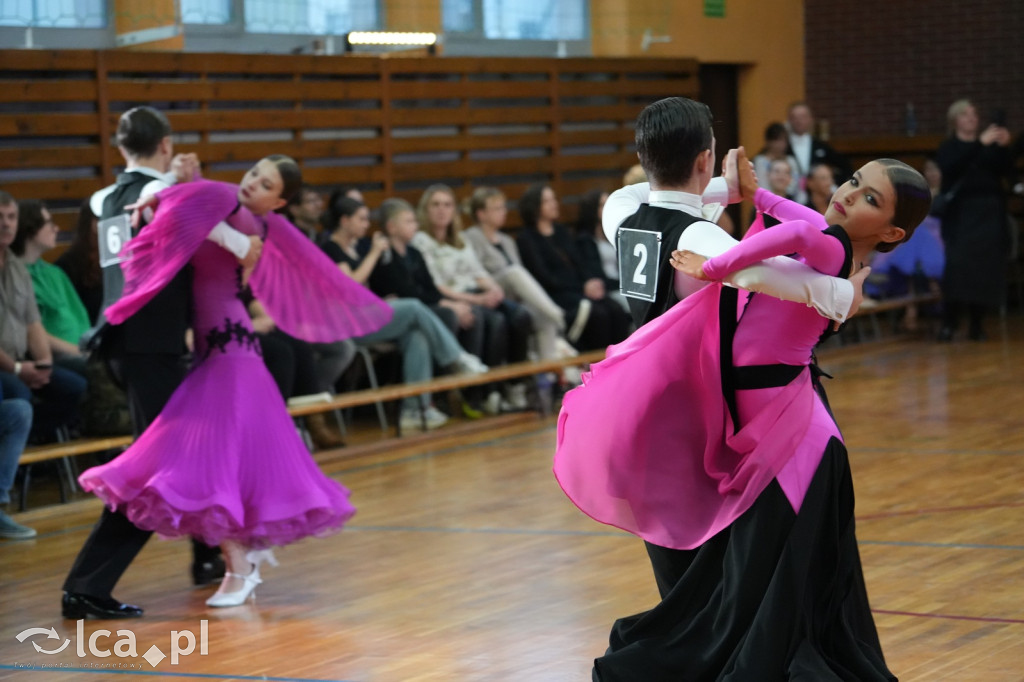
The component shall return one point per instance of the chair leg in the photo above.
(69, 471)
(25, 478)
(300, 424)
(371, 375)
(340, 419)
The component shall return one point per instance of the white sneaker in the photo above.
(563, 349)
(515, 397)
(467, 363)
(572, 376)
(492, 404)
(412, 420)
(435, 417)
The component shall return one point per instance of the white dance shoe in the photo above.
(250, 581)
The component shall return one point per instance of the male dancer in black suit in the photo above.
(676, 147)
(147, 353)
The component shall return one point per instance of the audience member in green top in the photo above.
(63, 314)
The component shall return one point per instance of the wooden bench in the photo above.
(871, 309)
(65, 450)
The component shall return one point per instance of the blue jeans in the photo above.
(422, 338)
(15, 423)
(56, 403)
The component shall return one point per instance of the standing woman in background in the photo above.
(974, 227)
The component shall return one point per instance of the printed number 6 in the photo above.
(113, 241)
(638, 276)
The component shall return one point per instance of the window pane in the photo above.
(535, 19)
(54, 13)
(317, 17)
(205, 11)
(458, 16)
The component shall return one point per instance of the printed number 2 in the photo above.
(638, 276)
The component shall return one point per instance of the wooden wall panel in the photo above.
(389, 125)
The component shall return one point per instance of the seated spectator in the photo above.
(405, 275)
(304, 209)
(808, 149)
(776, 143)
(63, 315)
(459, 276)
(422, 338)
(779, 182)
(15, 424)
(499, 255)
(26, 362)
(598, 253)
(81, 263)
(820, 187)
(104, 407)
(594, 320)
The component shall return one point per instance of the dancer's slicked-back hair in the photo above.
(670, 135)
(140, 130)
(913, 199)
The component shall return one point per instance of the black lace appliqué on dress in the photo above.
(231, 331)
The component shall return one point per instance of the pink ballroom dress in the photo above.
(706, 434)
(223, 460)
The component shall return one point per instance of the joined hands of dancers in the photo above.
(738, 172)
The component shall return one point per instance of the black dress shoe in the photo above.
(77, 606)
(207, 572)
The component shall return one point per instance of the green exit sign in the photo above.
(714, 8)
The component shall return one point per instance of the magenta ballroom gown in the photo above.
(223, 461)
(707, 435)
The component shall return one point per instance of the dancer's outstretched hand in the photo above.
(689, 263)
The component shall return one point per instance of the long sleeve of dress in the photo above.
(821, 251)
(785, 209)
(306, 294)
(781, 277)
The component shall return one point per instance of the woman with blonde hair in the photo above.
(459, 276)
(499, 255)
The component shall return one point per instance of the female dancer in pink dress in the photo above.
(223, 461)
(703, 433)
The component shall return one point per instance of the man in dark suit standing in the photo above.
(809, 150)
(147, 353)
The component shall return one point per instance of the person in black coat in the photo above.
(594, 320)
(809, 150)
(975, 165)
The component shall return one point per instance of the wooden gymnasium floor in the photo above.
(465, 561)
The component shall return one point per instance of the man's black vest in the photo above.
(160, 325)
(670, 223)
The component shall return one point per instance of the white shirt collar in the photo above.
(681, 201)
(687, 203)
(167, 177)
